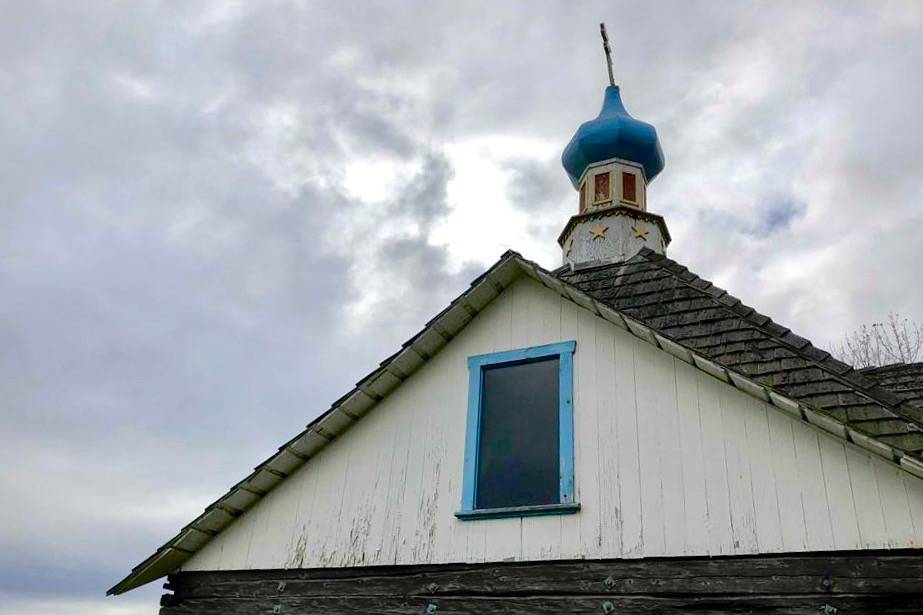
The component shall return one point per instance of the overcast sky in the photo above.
(216, 216)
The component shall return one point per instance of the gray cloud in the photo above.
(188, 276)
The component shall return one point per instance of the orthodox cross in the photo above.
(608, 50)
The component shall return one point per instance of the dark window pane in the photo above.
(518, 449)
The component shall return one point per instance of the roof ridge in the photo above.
(890, 366)
(903, 379)
(593, 266)
(839, 370)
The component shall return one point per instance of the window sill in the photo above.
(519, 511)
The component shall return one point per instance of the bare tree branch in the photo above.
(897, 340)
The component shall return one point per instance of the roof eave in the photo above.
(336, 420)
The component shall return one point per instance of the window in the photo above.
(519, 448)
(629, 187)
(601, 187)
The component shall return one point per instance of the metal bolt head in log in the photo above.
(609, 582)
(431, 609)
(608, 607)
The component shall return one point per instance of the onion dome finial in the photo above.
(613, 134)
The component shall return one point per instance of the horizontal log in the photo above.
(681, 583)
(548, 582)
(882, 573)
(555, 605)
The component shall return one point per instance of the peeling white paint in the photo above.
(669, 461)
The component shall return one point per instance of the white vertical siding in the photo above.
(668, 460)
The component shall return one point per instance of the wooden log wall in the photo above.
(880, 582)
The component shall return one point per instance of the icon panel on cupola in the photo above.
(629, 187)
(602, 188)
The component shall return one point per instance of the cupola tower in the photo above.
(610, 161)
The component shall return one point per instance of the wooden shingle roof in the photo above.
(672, 300)
(903, 379)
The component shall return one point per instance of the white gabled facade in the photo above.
(670, 461)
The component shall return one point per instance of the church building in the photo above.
(617, 435)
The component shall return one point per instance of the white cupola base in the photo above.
(610, 235)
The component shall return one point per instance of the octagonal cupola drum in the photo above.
(611, 160)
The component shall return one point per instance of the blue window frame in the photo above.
(489, 385)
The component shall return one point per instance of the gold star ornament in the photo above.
(640, 232)
(598, 231)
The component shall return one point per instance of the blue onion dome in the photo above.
(613, 134)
